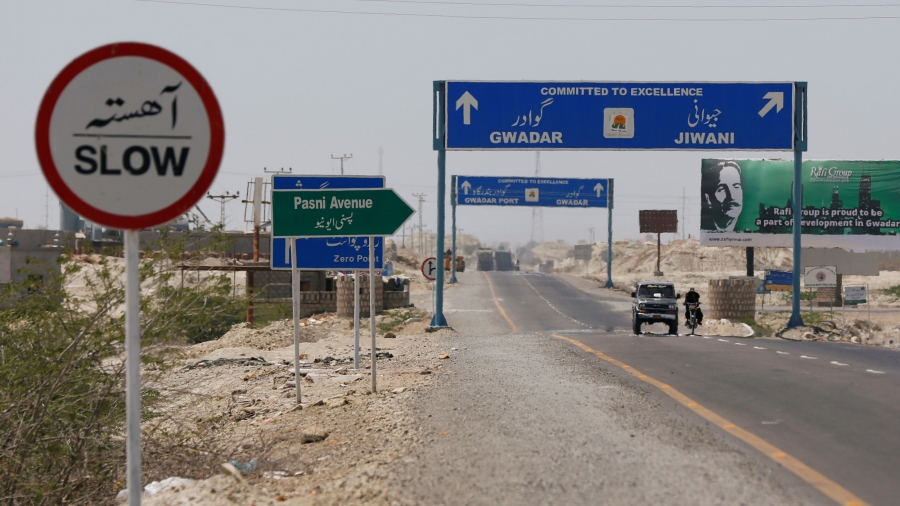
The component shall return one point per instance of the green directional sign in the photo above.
(333, 213)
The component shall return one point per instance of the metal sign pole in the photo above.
(295, 286)
(438, 320)
(453, 240)
(609, 240)
(658, 271)
(843, 314)
(356, 319)
(133, 367)
(799, 146)
(372, 306)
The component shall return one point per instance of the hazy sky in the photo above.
(297, 87)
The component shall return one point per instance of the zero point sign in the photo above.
(429, 267)
(129, 135)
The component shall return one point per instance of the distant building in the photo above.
(11, 223)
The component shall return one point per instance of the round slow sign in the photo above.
(129, 135)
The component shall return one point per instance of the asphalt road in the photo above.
(835, 407)
(521, 417)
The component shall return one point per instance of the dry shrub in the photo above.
(62, 414)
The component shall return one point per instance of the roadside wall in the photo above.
(345, 295)
(731, 299)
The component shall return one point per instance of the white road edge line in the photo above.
(835, 362)
(740, 344)
(782, 353)
(874, 372)
(723, 340)
(759, 348)
(811, 358)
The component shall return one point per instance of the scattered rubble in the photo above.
(237, 397)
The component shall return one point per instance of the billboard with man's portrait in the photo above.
(853, 205)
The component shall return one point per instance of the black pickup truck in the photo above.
(654, 302)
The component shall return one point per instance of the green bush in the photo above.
(62, 394)
(892, 292)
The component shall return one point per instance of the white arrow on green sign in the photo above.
(334, 213)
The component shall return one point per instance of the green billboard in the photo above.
(845, 204)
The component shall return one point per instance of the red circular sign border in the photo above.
(422, 269)
(117, 50)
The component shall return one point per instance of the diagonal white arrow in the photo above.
(467, 102)
(776, 100)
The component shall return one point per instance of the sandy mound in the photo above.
(276, 335)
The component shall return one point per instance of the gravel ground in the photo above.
(505, 419)
(528, 419)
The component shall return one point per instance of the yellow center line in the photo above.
(497, 302)
(831, 489)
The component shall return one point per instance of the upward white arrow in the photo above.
(465, 186)
(467, 102)
(598, 189)
(776, 99)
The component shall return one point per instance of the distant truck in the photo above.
(654, 302)
(503, 261)
(485, 260)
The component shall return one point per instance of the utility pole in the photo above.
(257, 188)
(342, 158)
(421, 197)
(537, 213)
(380, 164)
(47, 208)
(683, 207)
(591, 230)
(222, 199)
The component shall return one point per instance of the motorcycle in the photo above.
(691, 308)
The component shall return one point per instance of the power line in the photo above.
(524, 18)
(629, 6)
(21, 174)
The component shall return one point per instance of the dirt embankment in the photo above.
(235, 399)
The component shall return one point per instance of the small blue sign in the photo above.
(299, 182)
(621, 116)
(785, 278)
(335, 253)
(531, 192)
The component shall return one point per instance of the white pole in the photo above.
(372, 306)
(133, 367)
(356, 319)
(295, 288)
(869, 307)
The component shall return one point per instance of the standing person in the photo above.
(722, 197)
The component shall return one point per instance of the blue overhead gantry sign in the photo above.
(331, 253)
(531, 192)
(619, 116)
